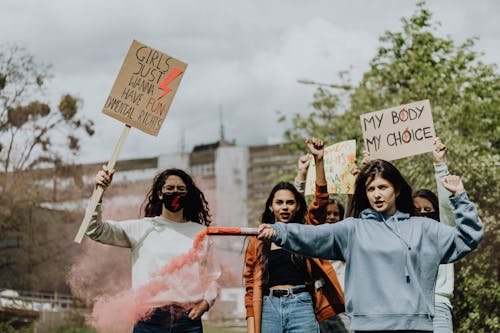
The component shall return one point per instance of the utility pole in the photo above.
(222, 138)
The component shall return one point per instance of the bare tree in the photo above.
(35, 140)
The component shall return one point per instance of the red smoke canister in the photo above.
(232, 231)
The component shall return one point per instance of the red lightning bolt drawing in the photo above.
(164, 84)
(175, 202)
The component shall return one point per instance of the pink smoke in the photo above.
(118, 313)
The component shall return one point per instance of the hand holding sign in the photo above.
(141, 96)
(104, 177)
(439, 151)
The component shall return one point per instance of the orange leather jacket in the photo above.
(328, 299)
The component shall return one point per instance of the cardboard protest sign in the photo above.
(338, 161)
(398, 132)
(144, 88)
(141, 96)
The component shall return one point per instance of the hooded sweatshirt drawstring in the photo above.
(405, 253)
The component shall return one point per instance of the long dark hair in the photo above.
(300, 214)
(196, 209)
(429, 195)
(404, 201)
(268, 217)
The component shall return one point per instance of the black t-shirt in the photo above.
(282, 270)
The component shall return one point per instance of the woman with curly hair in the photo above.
(175, 213)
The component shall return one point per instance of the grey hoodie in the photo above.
(391, 262)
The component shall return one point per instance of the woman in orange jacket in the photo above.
(286, 292)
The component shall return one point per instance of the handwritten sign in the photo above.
(338, 161)
(398, 132)
(144, 88)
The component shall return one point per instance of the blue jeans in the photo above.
(442, 318)
(289, 314)
(339, 323)
(166, 321)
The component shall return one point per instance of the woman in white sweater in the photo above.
(175, 213)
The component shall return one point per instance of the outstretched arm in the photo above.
(326, 241)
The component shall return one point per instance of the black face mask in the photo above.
(174, 201)
(431, 215)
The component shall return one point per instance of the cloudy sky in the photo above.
(244, 57)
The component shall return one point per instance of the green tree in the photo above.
(34, 138)
(415, 64)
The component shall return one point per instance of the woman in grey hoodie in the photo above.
(392, 256)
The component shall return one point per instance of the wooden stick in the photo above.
(96, 196)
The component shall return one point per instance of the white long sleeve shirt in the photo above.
(155, 242)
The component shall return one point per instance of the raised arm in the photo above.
(107, 232)
(316, 149)
(302, 166)
(457, 242)
(440, 171)
(316, 213)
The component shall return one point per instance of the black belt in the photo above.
(284, 292)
